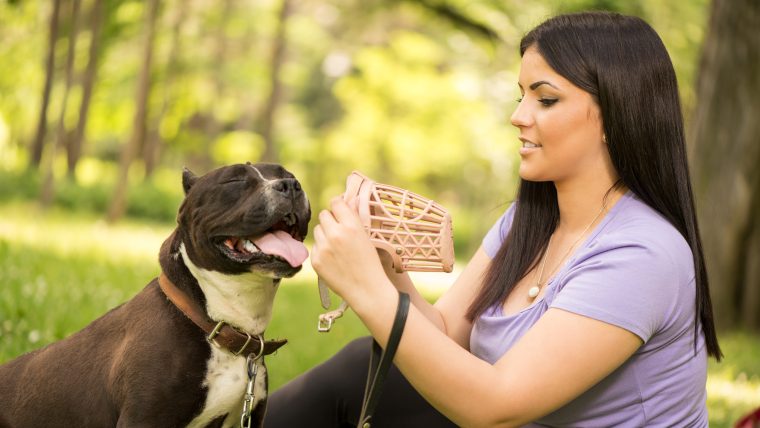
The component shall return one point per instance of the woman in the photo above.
(587, 303)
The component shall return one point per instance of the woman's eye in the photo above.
(519, 100)
(547, 101)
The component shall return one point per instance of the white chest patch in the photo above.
(226, 380)
(245, 302)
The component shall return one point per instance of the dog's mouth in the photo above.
(282, 241)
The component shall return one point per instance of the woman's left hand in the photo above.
(343, 255)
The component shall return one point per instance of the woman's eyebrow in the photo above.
(535, 85)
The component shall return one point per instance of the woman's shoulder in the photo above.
(636, 235)
(631, 273)
(638, 223)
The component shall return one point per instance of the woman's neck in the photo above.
(580, 201)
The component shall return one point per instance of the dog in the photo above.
(151, 362)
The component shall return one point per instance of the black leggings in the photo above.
(330, 395)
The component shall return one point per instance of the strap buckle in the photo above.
(214, 333)
(324, 324)
(326, 320)
(261, 347)
(242, 348)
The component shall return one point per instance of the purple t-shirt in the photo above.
(634, 271)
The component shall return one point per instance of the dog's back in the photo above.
(78, 384)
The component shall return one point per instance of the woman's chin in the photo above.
(530, 174)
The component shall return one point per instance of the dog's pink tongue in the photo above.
(281, 244)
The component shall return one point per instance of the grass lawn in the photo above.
(59, 271)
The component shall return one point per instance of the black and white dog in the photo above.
(240, 229)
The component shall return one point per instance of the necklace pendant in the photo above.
(533, 292)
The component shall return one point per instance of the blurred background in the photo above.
(102, 102)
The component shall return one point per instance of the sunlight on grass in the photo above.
(733, 385)
(740, 393)
(65, 234)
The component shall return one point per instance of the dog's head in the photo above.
(245, 217)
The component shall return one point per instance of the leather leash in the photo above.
(218, 333)
(380, 362)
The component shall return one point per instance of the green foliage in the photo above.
(401, 91)
(73, 196)
(18, 186)
(146, 200)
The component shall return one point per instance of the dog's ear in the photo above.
(188, 179)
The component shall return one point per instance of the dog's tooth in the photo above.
(249, 246)
(230, 244)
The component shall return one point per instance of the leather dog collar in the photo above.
(218, 333)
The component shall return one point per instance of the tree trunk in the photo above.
(48, 183)
(268, 116)
(751, 301)
(151, 152)
(725, 132)
(38, 143)
(212, 127)
(75, 147)
(131, 149)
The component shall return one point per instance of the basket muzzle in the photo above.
(415, 231)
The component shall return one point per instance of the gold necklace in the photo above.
(533, 291)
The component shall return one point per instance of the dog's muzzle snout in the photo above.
(288, 187)
(290, 219)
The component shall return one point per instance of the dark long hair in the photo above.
(621, 61)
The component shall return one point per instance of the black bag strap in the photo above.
(380, 362)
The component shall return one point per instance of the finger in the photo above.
(327, 220)
(319, 234)
(343, 213)
(353, 203)
(316, 249)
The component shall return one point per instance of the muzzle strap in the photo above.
(380, 362)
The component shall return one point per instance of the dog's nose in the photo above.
(287, 186)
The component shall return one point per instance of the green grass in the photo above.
(60, 270)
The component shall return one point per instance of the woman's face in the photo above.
(560, 125)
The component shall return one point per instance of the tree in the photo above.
(48, 184)
(275, 90)
(131, 148)
(38, 144)
(725, 132)
(74, 148)
(153, 143)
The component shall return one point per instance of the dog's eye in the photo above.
(237, 180)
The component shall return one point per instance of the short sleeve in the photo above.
(631, 285)
(494, 238)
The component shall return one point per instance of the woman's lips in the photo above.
(528, 147)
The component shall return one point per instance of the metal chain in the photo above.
(245, 417)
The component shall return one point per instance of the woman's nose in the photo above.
(520, 117)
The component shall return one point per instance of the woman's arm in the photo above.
(561, 356)
(448, 313)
